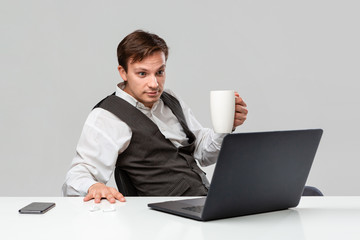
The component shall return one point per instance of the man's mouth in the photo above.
(152, 93)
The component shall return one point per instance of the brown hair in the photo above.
(138, 45)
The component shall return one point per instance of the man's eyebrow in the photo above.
(145, 69)
(140, 69)
(162, 66)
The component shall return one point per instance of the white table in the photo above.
(314, 218)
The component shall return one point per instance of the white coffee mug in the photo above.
(222, 108)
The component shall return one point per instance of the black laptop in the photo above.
(255, 173)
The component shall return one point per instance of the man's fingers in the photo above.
(240, 116)
(110, 198)
(240, 101)
(241, 109)
(87, 197)
(90, 196)
(98, 191)
(97, 198)
(118, 195)
(238, 122)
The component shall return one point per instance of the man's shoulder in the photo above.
(169, 91)
(100, 115)
(179, 99)
(171, 95)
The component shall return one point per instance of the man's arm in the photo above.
(103, 137)
(208, 143)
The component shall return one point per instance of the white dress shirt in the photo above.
(105, 136)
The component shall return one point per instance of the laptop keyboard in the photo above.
(197, 209)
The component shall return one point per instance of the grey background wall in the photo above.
(296, 64)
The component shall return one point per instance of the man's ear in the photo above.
(122, 72)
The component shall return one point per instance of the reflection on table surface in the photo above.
(314, 218)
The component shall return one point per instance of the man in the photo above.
(145, 131)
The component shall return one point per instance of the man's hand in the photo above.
(98, 191)
(240, 111)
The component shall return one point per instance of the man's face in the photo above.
(145, 79)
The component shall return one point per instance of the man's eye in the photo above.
(161, 72)
(142, 74)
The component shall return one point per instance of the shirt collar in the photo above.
(130, 99)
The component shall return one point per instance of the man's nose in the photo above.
(153, 83)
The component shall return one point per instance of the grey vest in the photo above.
(152, 162)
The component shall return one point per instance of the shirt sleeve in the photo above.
(208, 143)
(103, 137)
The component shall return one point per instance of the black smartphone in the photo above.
(37, 207)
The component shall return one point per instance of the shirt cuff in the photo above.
(84, 187)
(218, 138)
